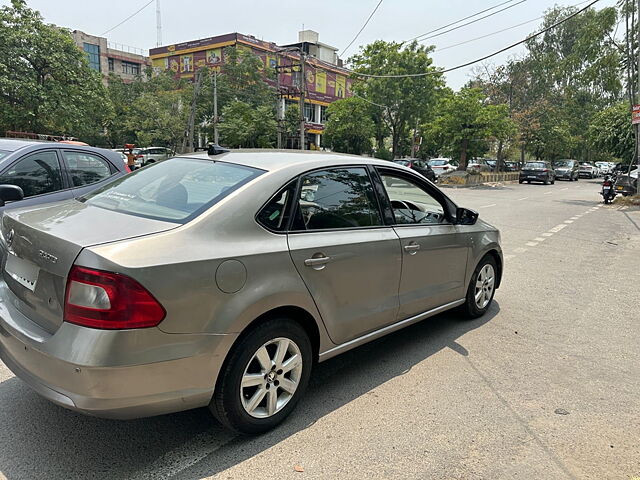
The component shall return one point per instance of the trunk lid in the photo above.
(40, 245)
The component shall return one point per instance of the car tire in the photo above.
(553, 182)
(473, 308)
(520, 181)
(231, 402)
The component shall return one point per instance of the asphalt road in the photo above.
(545, 386)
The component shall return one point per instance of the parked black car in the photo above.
(420, 166)
(567, 170)
(49, 171)
(627, 184)
(538, 171)
(510, 167)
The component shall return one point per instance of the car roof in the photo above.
(273, 159)
(13, 144)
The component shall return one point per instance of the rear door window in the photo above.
(175, 190)
(338, 198)
(36, 174)
(86, 168)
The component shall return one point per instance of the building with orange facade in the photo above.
(325, 79)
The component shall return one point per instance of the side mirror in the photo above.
(466, 216)
(10, 193)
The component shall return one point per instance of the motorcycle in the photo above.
(608, 191)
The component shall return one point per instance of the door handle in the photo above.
(315, 261)
(412, 248)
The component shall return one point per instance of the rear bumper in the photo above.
(113, 374)
(535, 178)
(565, 176)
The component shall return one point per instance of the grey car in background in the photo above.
(221, 280)
(50, 171)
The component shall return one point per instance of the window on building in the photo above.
(310, 112)
(323, 114)
(111, 65)
(93, 55)
(131, 68)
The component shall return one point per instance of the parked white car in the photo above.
(442, 165)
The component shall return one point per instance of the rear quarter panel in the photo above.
(185, 268)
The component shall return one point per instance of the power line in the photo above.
(470, 22)
(457, 67)
(488, 35)
(458, 21)
(342, 52)
(130, 16)
(439, 49)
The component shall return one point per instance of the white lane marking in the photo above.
(539, 239)
(576, 217)
(548, 193)
(557, 228)
(523, 198)
(531, 244)
(519, 250)
(568, 221)
(487, 206)
(509, 257)
(547, 234)
(565, 188)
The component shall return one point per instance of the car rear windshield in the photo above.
(4, 153)
(402, 162)
(564, 163)
(175, 190)
(534, 165)
(436, 163)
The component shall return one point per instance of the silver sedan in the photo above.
(220, 280)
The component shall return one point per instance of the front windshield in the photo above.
(4, 153)
(174, 190)
(563, 163)
(534, 165)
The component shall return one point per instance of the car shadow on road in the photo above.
(41, 440)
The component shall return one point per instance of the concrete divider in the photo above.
(475, 179)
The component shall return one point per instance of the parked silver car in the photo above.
(221, 280)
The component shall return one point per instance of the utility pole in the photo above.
(278, 103)
(638, 101)
(303, 85)
(215, 107)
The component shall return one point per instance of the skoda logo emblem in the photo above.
(10, 236)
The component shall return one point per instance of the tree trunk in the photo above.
(499, 156)
(463, 155)
(522, 154)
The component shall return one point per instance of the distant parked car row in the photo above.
(145, 156)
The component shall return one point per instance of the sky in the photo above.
(337, 22)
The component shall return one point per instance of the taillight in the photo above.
(445, 168)
(139, 156)
(107, 300)
(545, 169)
(127, 169)
(607, 183)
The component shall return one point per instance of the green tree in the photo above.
(246, 126)
(465, 123)
(403, 102)
(611, 132)
(158, 110)
(350, 127)
(46, 85)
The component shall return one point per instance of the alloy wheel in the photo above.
(271, 378)
(485, 284)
